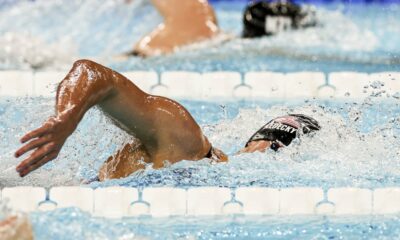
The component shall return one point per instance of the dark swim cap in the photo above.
(285, 129)
(264, 18)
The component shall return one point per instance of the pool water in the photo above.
(49, 34)
(357, 146)
(74, 224)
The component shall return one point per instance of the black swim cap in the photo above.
(269, 17)
(284, 129)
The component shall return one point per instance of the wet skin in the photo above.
(16, 228)
(161, 128)
(185, 22)
(256, 146)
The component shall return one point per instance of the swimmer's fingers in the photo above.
(38, 164)
(35, 157)
(32, 145)
(37, 132)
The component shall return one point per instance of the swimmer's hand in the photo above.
(46, 142)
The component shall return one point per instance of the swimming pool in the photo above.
(351, 37)
(50, 225)
(358, 146)
(332, 161)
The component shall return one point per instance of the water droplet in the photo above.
(396, 95)
(377, 84)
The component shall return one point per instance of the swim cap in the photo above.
(269, 17)
(285, 129)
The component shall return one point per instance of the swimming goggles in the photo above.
(275, 145)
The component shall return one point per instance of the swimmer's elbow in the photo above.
(93, 70)
(84, 71)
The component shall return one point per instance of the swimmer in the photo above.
(265, 18)
(192, 21)
(185, 22)
(161, 128)
(16, 227)
(280, 132)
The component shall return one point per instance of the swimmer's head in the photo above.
(281, 131)
(269, 17)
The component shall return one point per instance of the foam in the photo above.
(342, 155)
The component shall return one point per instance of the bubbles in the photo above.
(71, 223)
(51, 33)
(377, 84)
(357, 146)
(25, 51)
(94, 140)
(396, 95)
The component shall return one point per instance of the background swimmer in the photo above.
(16, 227)
(265, 18)
(185, 22)
(191, 21)
(161, 128)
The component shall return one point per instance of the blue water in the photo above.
(358, 146)
(74, 224)
(51, 34)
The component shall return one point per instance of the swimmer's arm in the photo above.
(86, 85)
(255, 146)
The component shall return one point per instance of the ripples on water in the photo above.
(361, 149)
(50, 34)
(357, 146)
(74, 224)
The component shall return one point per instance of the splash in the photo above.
(341, 154)
(24, 51)
(364, 37)
(49, 34)
(357, 146)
